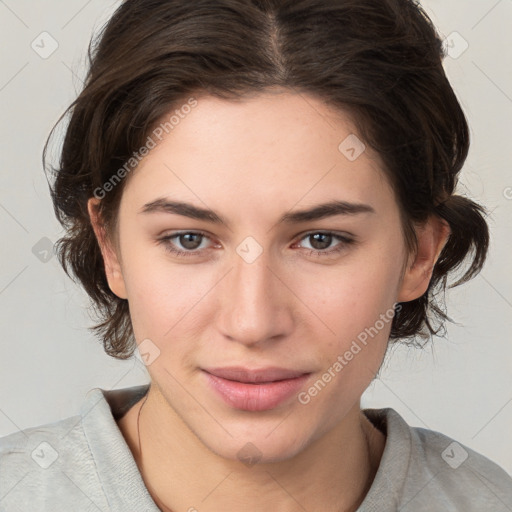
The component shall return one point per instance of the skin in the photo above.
(252, 161)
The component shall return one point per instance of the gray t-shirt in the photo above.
(83, 463)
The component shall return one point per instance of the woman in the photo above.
(259, 198)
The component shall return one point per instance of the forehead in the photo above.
(273, 149)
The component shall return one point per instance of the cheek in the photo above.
(356, 303)
(353, 296)
(359, 310)
(163, 296)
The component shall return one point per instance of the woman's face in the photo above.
(250, 292)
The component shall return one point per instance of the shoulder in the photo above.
(459, 471)
(48, 466)
(42, 445)
(440, 473)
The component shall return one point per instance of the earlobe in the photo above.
(113, 268)
(432, 237)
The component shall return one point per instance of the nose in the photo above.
(256, 307)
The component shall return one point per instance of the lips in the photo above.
(240, 374)
(257, 389)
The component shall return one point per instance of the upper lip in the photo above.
(241, 374)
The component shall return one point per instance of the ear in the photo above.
(113, 268)
(432, 237)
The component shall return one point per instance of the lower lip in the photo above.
(255, 397)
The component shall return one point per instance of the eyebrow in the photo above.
(321, 211)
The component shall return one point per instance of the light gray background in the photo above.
(461, 386)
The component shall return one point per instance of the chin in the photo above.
(254, 443)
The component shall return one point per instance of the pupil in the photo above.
(324, 244)
(185, 240)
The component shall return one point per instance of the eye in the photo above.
(190, 241)
(320, 241)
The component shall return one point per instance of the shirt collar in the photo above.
(119, 474)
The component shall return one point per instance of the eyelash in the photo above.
(345, 241)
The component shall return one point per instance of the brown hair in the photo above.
(380, 60)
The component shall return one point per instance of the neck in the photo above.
(335, 472)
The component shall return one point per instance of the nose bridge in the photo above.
(251, 279)
(253, 310)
